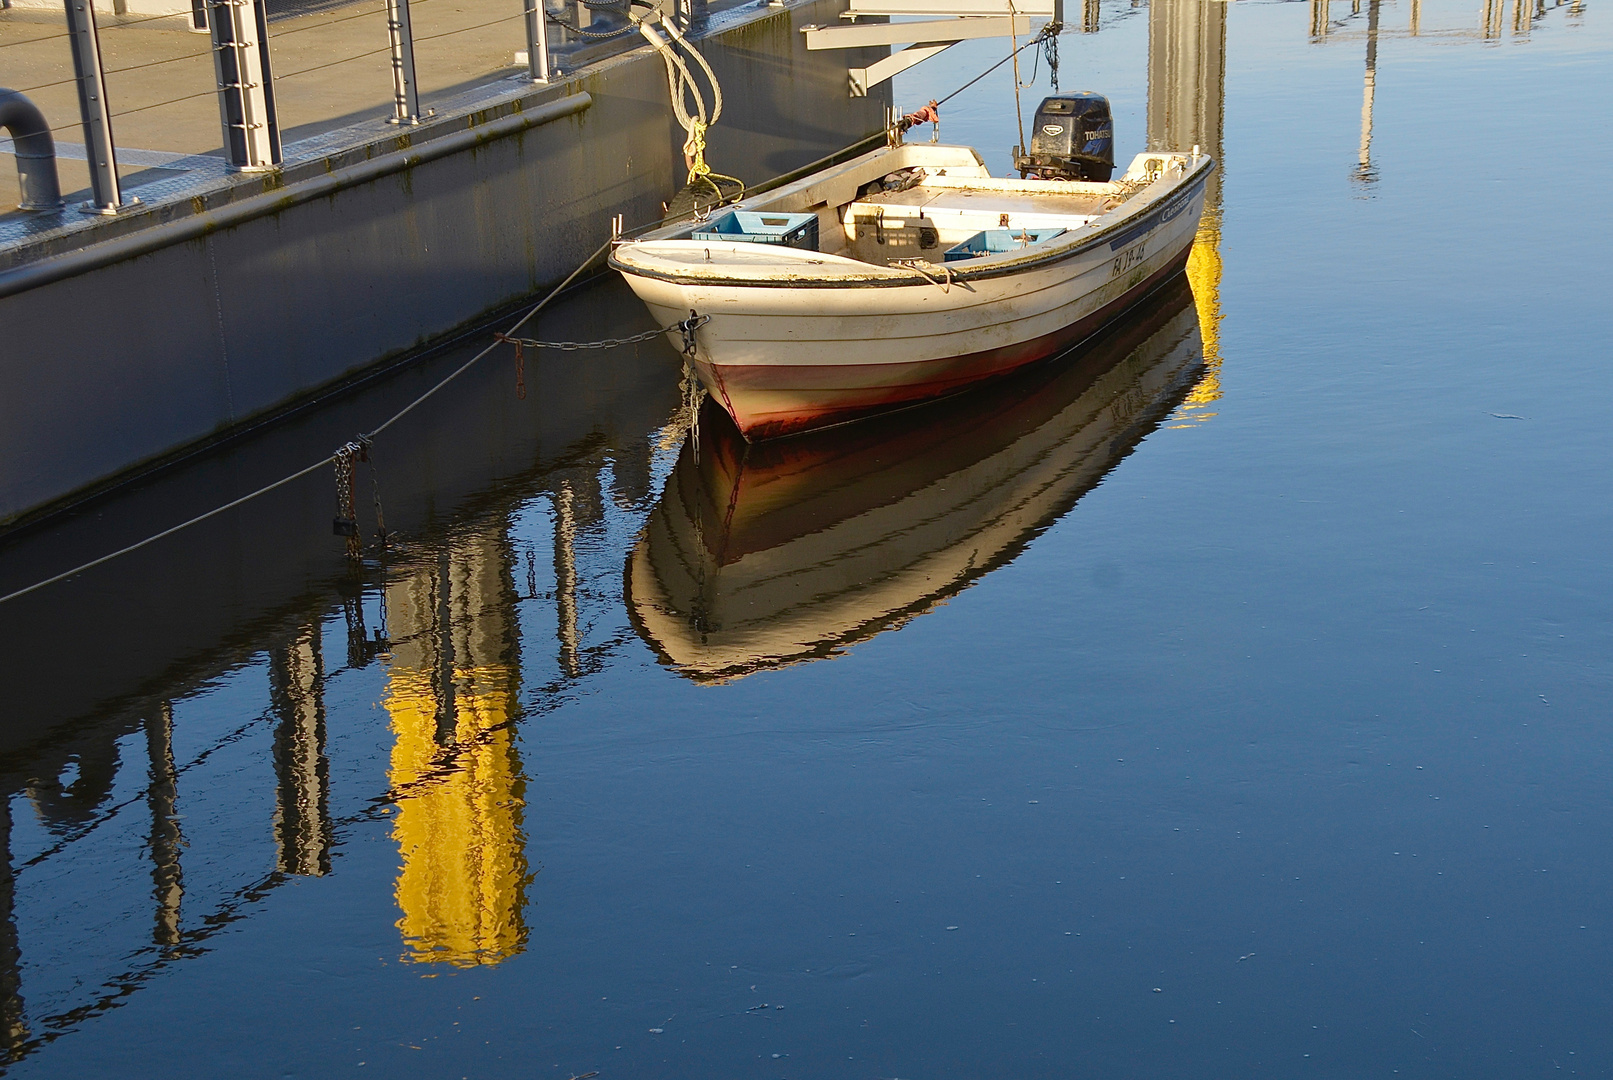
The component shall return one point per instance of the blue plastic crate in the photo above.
(791, 230)
(997, 241)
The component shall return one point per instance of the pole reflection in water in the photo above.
(565, 575)
(1365, 173)
(1187, 67)
(13, 1014)
(452, 696)
(302, 825)
(763, 555)
(167, 876)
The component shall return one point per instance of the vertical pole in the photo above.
(405, 93)
(92, 108)
(689, 16)
(245, 92)
(271, 116)
(537, 41)
(1416, 17)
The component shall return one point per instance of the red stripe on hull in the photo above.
(838, 393)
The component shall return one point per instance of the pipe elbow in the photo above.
(35, 151)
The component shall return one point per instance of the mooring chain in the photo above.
(346, 521)
(693, 395)
(367, 455)
(346, 460)
(520, 370)
(687, 326)
(594, 34)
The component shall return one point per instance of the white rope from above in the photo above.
(681, 87)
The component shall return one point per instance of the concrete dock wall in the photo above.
(127, 342)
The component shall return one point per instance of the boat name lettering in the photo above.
(1175, 209)
(1166, 212)
(1128, 259)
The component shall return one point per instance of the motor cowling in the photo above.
(1073, 140)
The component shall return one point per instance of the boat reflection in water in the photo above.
(763, 555)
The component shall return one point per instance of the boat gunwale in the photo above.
(1183, 191)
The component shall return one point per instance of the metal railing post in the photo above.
(537, 41)
(689, 16)
(405, 91)
(107, 197)
(240, 30)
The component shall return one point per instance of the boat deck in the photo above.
(926, 219)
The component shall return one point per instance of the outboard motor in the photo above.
(1074, 139)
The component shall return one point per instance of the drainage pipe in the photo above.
(35, 151)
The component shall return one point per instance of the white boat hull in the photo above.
(830, 339)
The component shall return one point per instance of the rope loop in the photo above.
(924, 269)
(682, 88)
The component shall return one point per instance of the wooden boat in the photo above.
(759, 556)
(908, 273)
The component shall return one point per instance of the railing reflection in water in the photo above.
(453, 689)
(203, 815)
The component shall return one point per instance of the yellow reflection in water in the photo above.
(462, 882)
(1204, 273)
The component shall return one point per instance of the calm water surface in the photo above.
(1229, 700)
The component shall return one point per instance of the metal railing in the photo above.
(153, 77)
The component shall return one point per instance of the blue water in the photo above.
(1262, 731)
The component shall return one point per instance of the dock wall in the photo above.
(127, 342)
